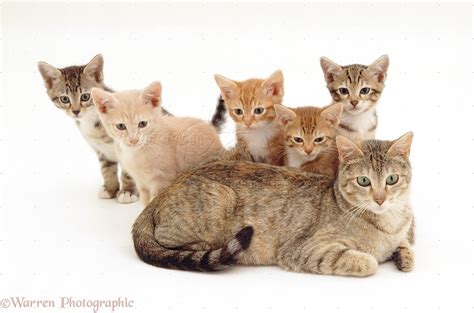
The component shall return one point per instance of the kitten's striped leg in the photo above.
(404, 257)
(109, 173)
(128, 193)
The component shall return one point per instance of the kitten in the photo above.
(256, 214)
(151, 146)
(250, 105)
(69, 89)
(309, 135)
(359, 88)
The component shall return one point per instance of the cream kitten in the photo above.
(152, 147)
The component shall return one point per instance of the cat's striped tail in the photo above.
(151, 252)
(219, 117)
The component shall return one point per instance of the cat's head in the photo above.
(376, 174)
(250, 102)
(69, 88)
(357, 86)
(130, 117)
(309, 131)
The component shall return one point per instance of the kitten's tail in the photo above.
(219, 117)
(151, 252)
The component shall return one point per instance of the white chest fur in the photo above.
(257, 140)
(360, 126)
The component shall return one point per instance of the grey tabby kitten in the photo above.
(69, 89)
(256, 214)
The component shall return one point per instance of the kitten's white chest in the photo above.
(358, 127)
(294, 158)
(257, 140)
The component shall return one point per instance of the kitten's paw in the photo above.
(355, 263)
(125, 196)
(404, 259)
(105, 193)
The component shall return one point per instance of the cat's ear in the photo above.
(379, 68)
(49, 73)
(229, 88)
(94, 69)
(273, 85)
(285, 115)
(330, 69)
(401, 146)
(332, 114)
(347, 149)
(151, 95)
(103, 100)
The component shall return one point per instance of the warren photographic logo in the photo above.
(67, 303)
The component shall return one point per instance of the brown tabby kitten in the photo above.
(309, 135)
(359, 88)
(69, 89)
(257, 214)
(250, 104)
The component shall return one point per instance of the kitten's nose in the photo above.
(76, 112)
(308, 150)
(379, 201)
(133, 141)
(354, 103)
(248, 123)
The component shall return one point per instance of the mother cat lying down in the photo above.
(256, 214)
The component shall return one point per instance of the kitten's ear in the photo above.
(229, 88)
(49, 73)
(401, 146)
(379, 67)
(273, 85)
(332, 114)
(151, 95)
(94, 69)
(330, 69)
(347, 149)
(103, 100)
(285, 115)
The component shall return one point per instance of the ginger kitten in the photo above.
(154, 148)
(309, 137)
(250, 104)
(246, 213)
(359, 88)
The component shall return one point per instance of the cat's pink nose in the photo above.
(354, 103)
(308, 151)
(379, 201)
(133, 141)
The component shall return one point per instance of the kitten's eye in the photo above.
(121, 126)
(364, 181)
(343, 91)
(64, 99)
(392, 179)
(142, 124)
(319, 139)
(298, 139)
(85, 97)
(258, 110)
(364, 90)
(238, 111)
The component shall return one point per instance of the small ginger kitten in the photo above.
(250, 104)
(309, 137)
(154, 148)
(359, 88)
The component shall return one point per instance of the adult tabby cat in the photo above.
(250, 104)
(359, 88)
(69, 89)
(257, 214)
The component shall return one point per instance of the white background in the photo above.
(58, 239)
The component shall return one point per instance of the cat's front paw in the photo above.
(106, 193)
(354, 263)
(126, 196)
(404, 259)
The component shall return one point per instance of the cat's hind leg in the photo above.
(404, 257)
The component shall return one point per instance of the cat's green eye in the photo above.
(64, 99)
(298, 139)
(343, 91)
(319, 139)
(121, 126)
(85, 97)
(238, 111)
(392, 179)
(258, 110)
(142, 124)
(364, 90)
(364, 181)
